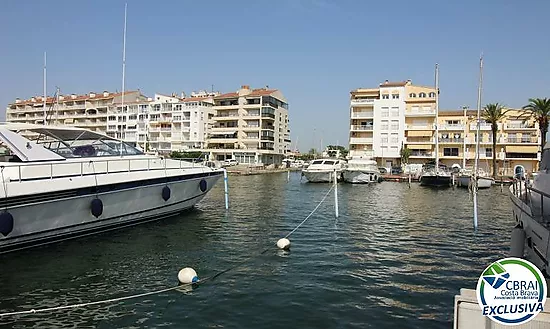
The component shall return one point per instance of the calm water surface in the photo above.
(395, 258)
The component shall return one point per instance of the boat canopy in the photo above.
(49, 143)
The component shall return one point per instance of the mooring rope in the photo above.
(160, 291)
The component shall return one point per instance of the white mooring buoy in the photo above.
(284, 244)
(187, 275)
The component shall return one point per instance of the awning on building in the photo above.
(521, 149)
(419, 147)
(419, 133)
(227, 132)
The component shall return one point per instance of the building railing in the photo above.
(369, 114)
(361, 127)
(421, 154)
(420, 140)
(420, 112)
(483, 126)
(451, 127)
(360, 140)
(519, 126)
(362, 101)
(451, 140)
(522, 140)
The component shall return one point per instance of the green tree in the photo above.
(493, 114)
(405, 154)
(539, 109)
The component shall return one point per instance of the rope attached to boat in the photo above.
(160, 291)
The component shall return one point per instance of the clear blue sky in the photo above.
(314, 51)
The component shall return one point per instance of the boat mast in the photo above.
(465, 108)
(476, 165)
(44, 97)
(123, 70)
(436, 118)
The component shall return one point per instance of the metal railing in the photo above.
(20, 172)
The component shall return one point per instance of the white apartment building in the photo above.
(163, 123)
(381, 117)
(251, 126)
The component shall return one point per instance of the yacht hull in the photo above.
(360, 177)
(50, 220)
(482, 182)
(324, 176)
(435, 180)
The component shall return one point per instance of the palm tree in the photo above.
(493, 114)
(539, 109)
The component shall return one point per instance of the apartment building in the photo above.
(383, 118)
(250, 126)
(163, 123)
(398, 114)
(517, 148)
(93, 111)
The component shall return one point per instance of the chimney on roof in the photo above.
(17, 100)
(386, 82)
(92, 94)
(33, 99)
(105, 93)
(73, 96)
(245, 87)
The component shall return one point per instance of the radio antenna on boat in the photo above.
(44, 97)
(123, 71)
(476, 163)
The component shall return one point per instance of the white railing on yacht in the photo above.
(22, 171)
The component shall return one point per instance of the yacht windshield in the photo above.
(82, 143)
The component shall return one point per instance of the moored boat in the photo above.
(68, 182)
(323, 170)
(361, 171)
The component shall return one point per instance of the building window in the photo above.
(394, 111)
(395, 96)
(432, 94)
(385, 96)
(450, 151)
(384, 125)
(394, 139)
(412, 95)
(385, 112)
(489, 152)
(384, 138)
(422, 95)
(395, 125)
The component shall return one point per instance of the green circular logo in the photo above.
(511, 291)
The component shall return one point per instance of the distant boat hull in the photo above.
(361, 176)
(320, 176)
(435, 180)
(482, 182)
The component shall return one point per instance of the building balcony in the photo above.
(362, 115)
(420, 154)
(419, 140)
(420, 113)
(268, 116)
(451, 140)
(419, 127)
(522, 140)
(483, 126)
(362, 102)
(361, 128)
(457, 127)
(360, 140)
(226, 116)
(519, 126)
(250, 128)
(266, 148)
(268, 138)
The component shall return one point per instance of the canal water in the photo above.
(395, 257)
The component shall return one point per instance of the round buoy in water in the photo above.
(6, 223)
(284, 244)
(187, 275)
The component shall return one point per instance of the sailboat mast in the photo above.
(476, 166)
(123, 71)
(436, 118)
(44, 98)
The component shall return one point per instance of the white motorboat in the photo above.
(359, 170)
(465, 178)
(322, 170)
(531, 211)
(67, 182)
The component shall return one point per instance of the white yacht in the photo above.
(322, 170)
(531, 211)
(484, 180)
(359, 170)
(65, 182)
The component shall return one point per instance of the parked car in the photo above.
(230, 162)
(383, 170)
